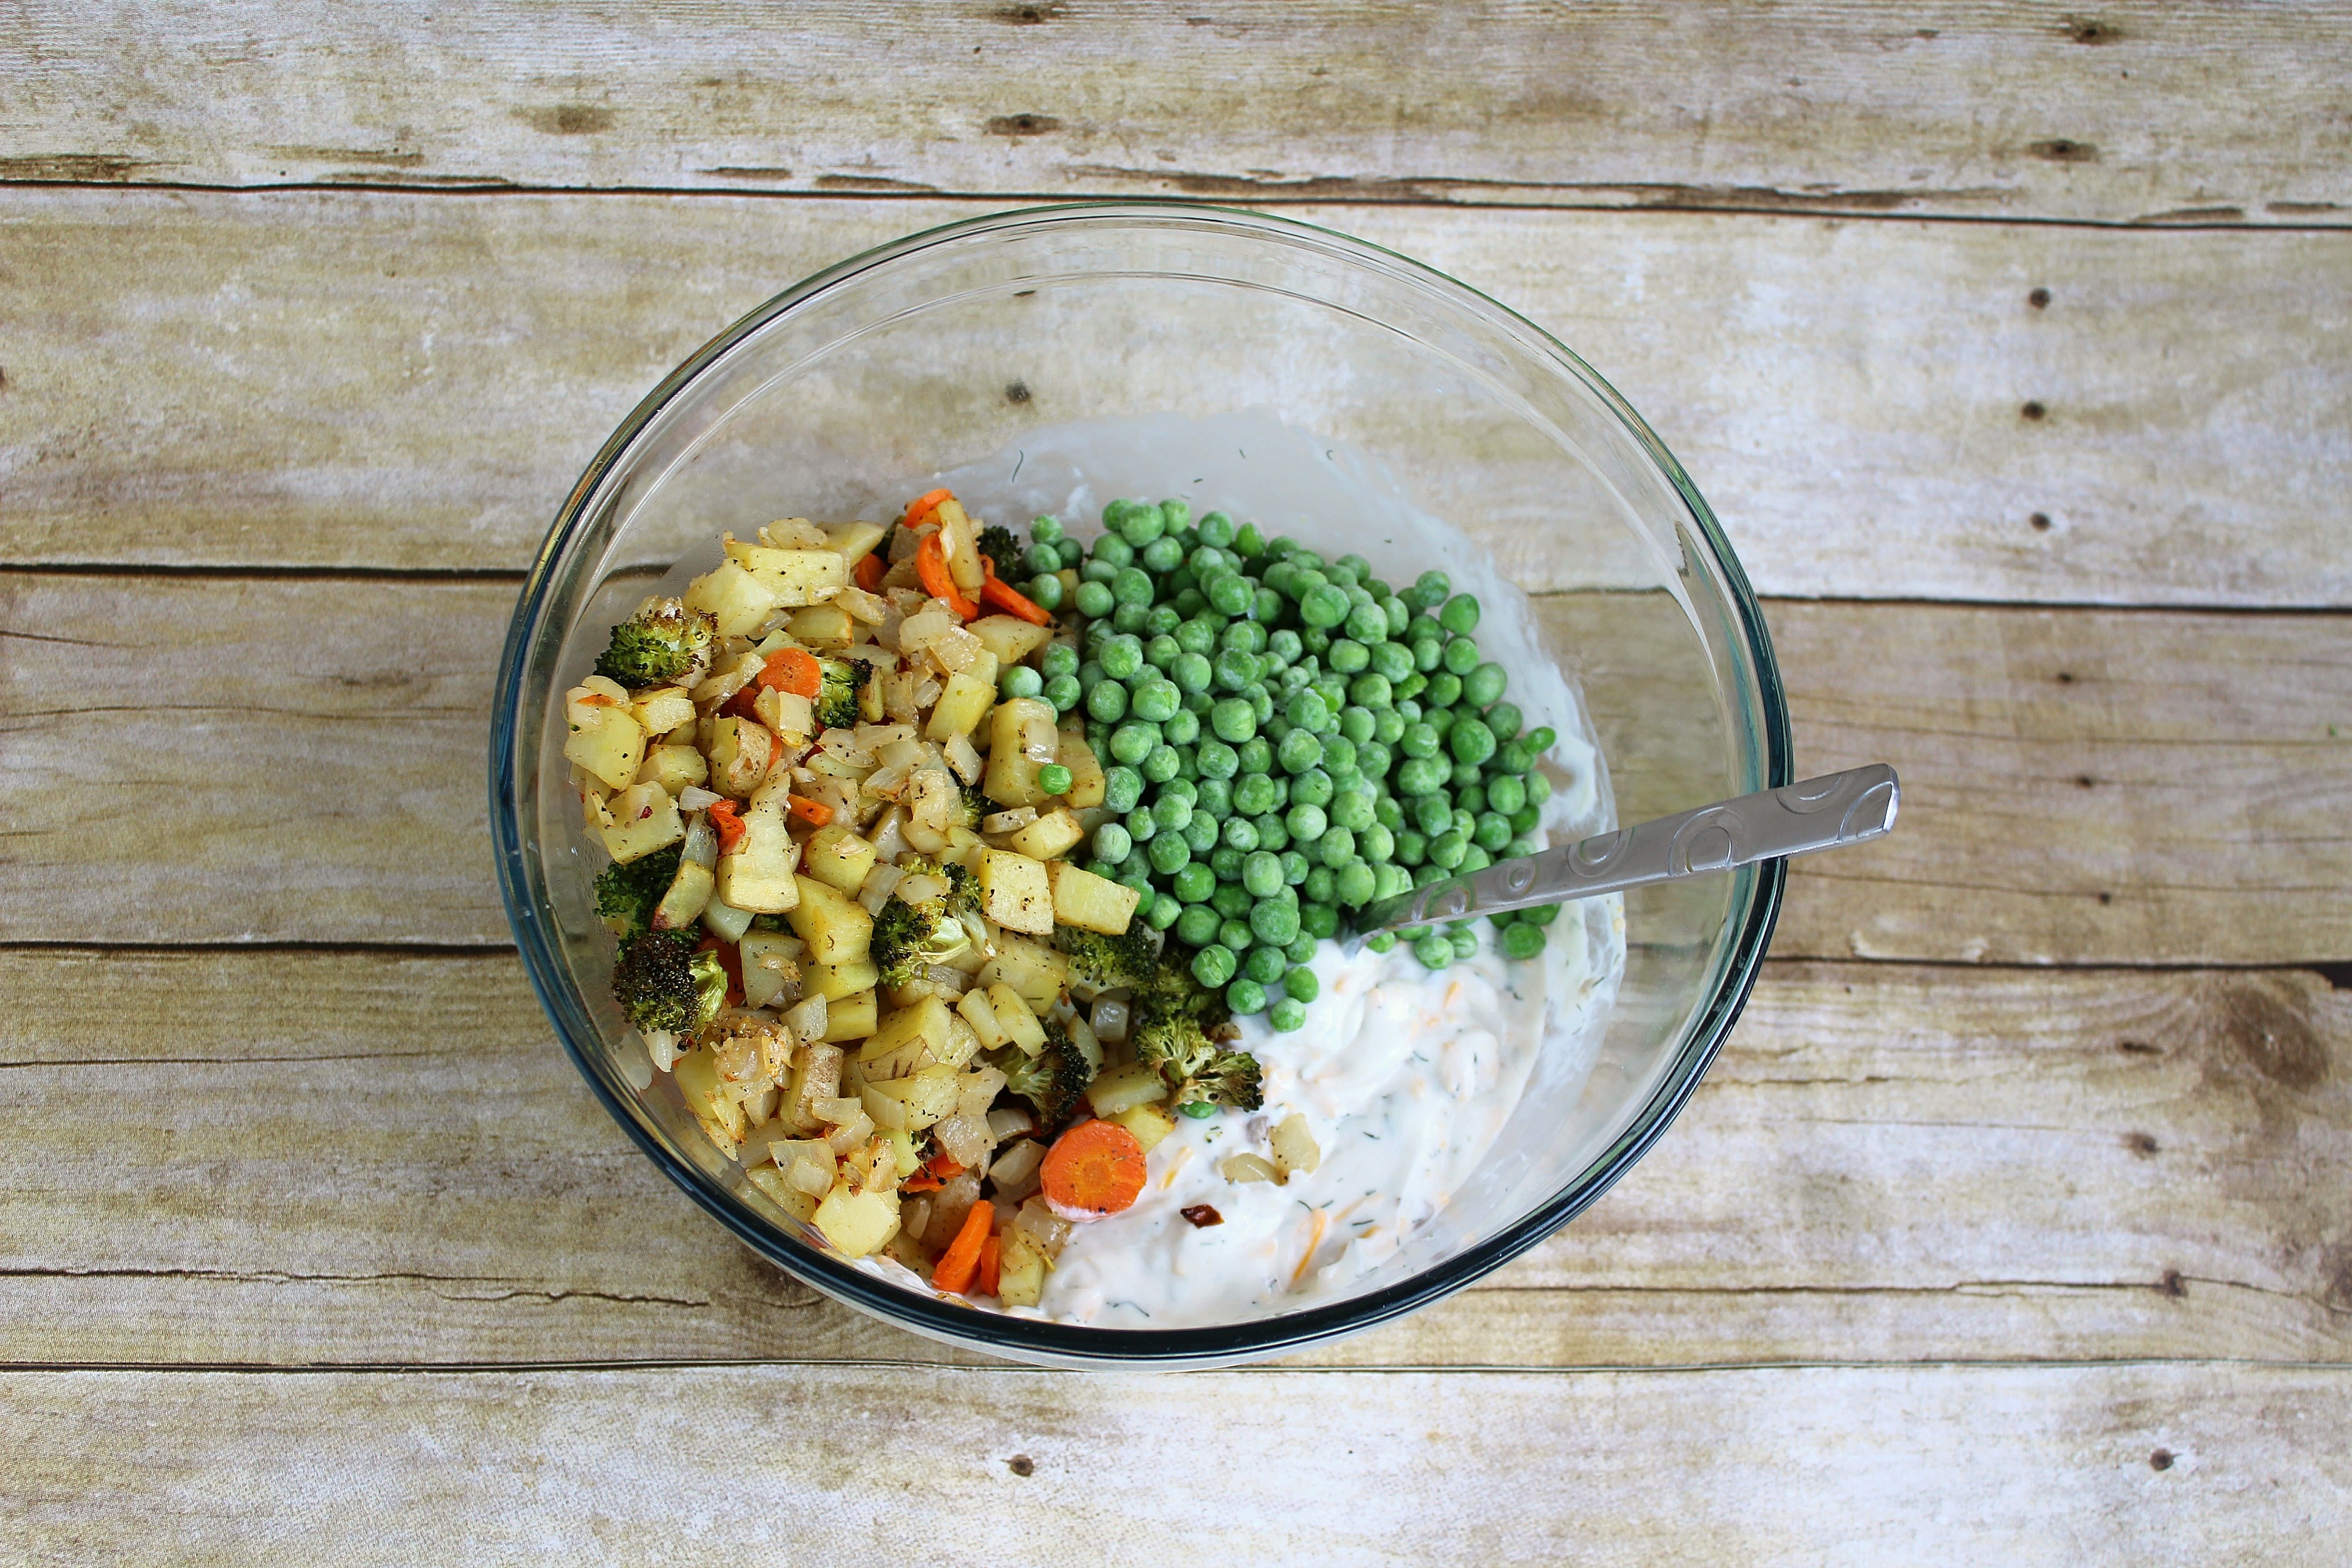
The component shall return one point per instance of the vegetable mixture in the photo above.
(939, 896)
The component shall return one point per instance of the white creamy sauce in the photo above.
(1406, 1076)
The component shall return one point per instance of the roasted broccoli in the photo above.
(909, 935)
(1177, 1025)
(1052, 1080)
(627, 895)
(1103, 962)
(837, 698)
(664, 643)
(663, 985)
(972, 808)
(1000, 546)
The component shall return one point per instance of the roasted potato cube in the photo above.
(1054, 834)
(673, 768)
(836, 856)
(793, 576)
(910, 1039)
(1150, 1122)
(1009, 637)
(834, 925)
(644, 818)
(1035, 975)
(741, 753)
(1015, 892)
(852, 542)
(770, 967)
(737, 599)
(604, 739)
(690, 893)
(1090, 902)
(1018, 726)
(821, 626)
(857, 1223)
(834, 980)
(759, 875)
(665, 708)
(1086, 780)
(1020, 1271)
(1117, 1088)
(961, 708)
(919, 1100)
(850, 1018)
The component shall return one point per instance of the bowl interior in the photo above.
(1112, 349)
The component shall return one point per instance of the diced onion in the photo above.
(694, 797)
(1009, 1123)
(1247, 1168)
(1111, 1020)
(965, 1139)
(808, 1019)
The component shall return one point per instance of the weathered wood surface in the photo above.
(307, 765)
(2138, 113)
(364, 1159)
(404, 381)
(1792, 1464)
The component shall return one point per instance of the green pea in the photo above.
(1161, 911)
(1522, 941)
(1059, 658)
(1156, 699)
(1113, 842)
(1307, 822)
(1388, 881)
(1073, 554)
(1374, 760)
(1272, 833)
(1299, 751)
(1358, 723)
(1162, 555)
(1093, 599)
(1213, 965)
(1181, 728)
(1464, 937)
(1336, 848)
(1433, 950)
(1484, 685)
(1521, 846)
(1216, 760)
(1235, 669)
(1295, 867)
(1419, 740)
(1254, 794)
(1348, 655)
(1371, 691)
(1428, 653)
(1313, 787)
(1164, 764)
(1376, 842)
(1020, 681)
(1230, 901)
(1232, 594)
(1462, 776)
(1234, 720)
(1113, 551)
(1445, 850)
(1473, 858)
(1201, 833)
(1493, 832)
(1214, 797)
(1538, 788)
(1432, 814)
(1410, 687)
(1247, 540)
(1287, 1015)
(1121, 657)
(1506, 793)
(1459, 615)
(1324, 607)
(1505, 719)
(1141, 824)
(1234, 936)
(1045, 590)
(1308, 711)
(1263, 963)
(1055, 779)
(1471, 742)
(1339, 754)
(1352, 809)
(1129, 617)
(1195, 882)
(1317, 888)
(1460, 656)
(1419, 776)
(1122, 789)
(1471, 800)
(1527, 819)
(1381, 941)
(1256, 755)
(1354, 883)
(1046, 529)
(1275, 922)
(1245, 996)
(1262, 874)
(1319, 919)
(1197, 927)
(1241, 833)
(1368, 623)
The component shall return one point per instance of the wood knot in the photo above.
(2140, 1143)
(2080, 30)
(2261, 1027)
(1018, 125)
(1017, 392)
(2058, 150)
(2161, 1459)
(568, 119)
(2039, 299)
(2172, 1285)
(2040, 521)
(2035, 411)
(1022, 1465)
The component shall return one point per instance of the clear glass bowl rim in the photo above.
(1075, 1345)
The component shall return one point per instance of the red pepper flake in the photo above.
(1202, 1215)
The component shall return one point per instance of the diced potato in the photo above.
(962, 705)
(1115, 1089)
(815, 1079)
(741, 751)
(1020, 1270)
(1090, 902)
(644, 818)
(836, 856)
(907, 1039)
(696, 1073)
(673, 768)
(801, 1206)
(1018, 726)
(834, 980)
(857, 1223)
(923, 1099)
(1150, 1122)
(788, 713)
(962, 1043)
(1009, 637)
(909, 1159)
(981, 1018)
(850, 1018)
(821, 626)
(834, 925)
(959, 541)
(1055, 833)
(770, 967)
(738, 600)
(852, 542)
(690, 891)
(660, 710)
(724, 920)
(1295, 1148)
(759, 875)
(605, 741)
(1015, 892)
(1017, 1019)
(793, 576)
(1086, 782)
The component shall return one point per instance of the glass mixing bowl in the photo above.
(838, 397)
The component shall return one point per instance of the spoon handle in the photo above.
(1796, 819)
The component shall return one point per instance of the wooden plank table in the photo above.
(2015, 346)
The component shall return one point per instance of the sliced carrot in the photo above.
(920, 510)
(931, 571)
(960, 1261)
(816, 813)
(792, 669)
(729, 825)
(944, 1166)
(921, 1181)
(867, 572)
(1094, 1169)
(995, 590)
(987, 1263)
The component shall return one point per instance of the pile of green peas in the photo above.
(1283, 739)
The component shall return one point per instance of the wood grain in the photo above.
(2015, 1465)
(297, 1159)
(2136, 114)
(308, 766)
(405, 382)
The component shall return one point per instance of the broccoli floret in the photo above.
(999, 545)
(1052, 1081)
(1230, 1077)
(662, 643)
(911, 936)
(1178, 1025)
(1104, 962)
(838, 684)
(972, 807)
(663, 984)
(627, 895)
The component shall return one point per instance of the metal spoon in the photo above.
(1796, 819)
